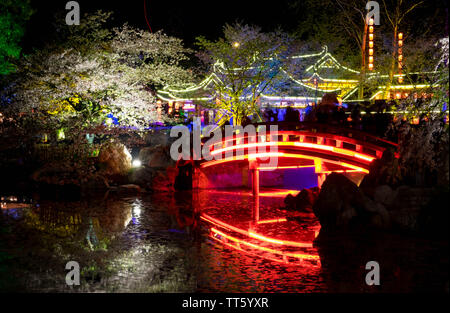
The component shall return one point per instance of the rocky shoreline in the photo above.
(342, 206)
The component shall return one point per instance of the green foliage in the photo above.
(247, 63)
(13, 17)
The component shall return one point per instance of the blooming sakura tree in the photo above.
(74, 87)
(82, 81)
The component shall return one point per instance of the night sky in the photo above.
(183, 19)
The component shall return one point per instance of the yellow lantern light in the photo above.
(370, 44)
(371, 21)
(371, 29)
(400, 36)
(370, 36)
(400, 43)
(370, 66)
(370, 51)
(400, 57)
(400, 79)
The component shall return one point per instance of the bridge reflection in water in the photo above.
(277, 235)
(273, 234)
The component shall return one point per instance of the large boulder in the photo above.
(384, 171)
(159, 170)
(156, 156)
(341, 204)
(155, 179)
(158, 137)
(114, 159)
(303, 201)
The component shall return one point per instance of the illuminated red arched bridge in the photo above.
(325, 148)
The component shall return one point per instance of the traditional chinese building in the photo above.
(317, 74)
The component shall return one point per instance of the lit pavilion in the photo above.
(317, 74)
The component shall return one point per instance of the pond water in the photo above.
(160, 243)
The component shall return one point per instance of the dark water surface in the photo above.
(158, 243)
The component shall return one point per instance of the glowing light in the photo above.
(281, 155)
(275, 220)
(137, 163)
(284, 167)
(188, 106)
(400, 56)
(239, 243)
(295, 144)
(255, 235)
(109, 121)
(236, 44)
(60, 134)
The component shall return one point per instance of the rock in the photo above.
(303, 201)
(339, 201)
(384, 171)
(380, 217)
(128, 190)
(342, 205)
(158, 172)
(156, 156)
(156, 179)
(114, 159)
(289, 202)
(158, 137)
(384, 195)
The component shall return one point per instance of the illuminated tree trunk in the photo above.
(363, 64)
(392, 67)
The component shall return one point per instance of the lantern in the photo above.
(400, 56)
(371, 43)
